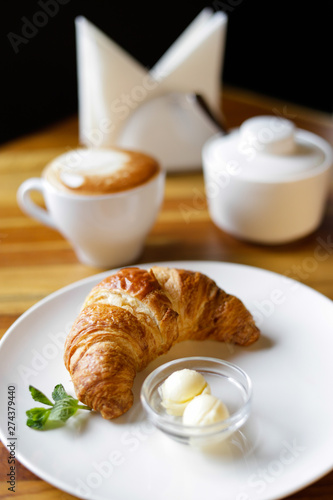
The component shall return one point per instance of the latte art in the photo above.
(100, 171)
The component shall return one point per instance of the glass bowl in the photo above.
(227, 381)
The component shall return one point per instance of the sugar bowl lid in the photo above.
(270, 149)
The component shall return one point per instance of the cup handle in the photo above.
(28, 206)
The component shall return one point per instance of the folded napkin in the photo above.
(121, 103)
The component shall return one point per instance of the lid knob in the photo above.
(269, 134)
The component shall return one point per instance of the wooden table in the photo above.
(35, 260)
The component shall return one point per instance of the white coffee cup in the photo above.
(106, 229)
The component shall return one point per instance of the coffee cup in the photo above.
(103, 201)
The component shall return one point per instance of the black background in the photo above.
(280, 49)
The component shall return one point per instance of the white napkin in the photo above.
(113, 87)
(194, 61)
(106, 72)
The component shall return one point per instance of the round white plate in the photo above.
(285, 445)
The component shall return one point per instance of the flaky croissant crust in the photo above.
(135, 315)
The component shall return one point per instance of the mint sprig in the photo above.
(64, 407)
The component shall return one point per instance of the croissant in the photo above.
(135, 315)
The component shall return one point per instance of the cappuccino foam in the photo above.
(100, 171)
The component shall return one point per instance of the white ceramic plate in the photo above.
(285, 445)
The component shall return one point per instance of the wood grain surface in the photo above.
(36, 260)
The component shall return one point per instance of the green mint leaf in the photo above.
(37, 417)
(64, 409)
(39, 396)
(36, 413)
(60, 393)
